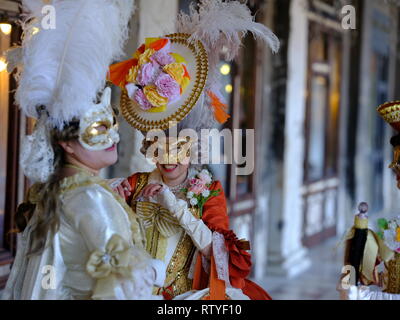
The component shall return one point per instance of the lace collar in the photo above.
(78, 179)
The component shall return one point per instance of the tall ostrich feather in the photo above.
(65, 67)
(219, 24)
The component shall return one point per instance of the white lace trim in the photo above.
(206, 264)
(37, 155)
(221, 257)
(193, 265)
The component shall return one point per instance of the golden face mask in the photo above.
(98, 129)
(171, 151)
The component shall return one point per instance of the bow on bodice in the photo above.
(152, 214)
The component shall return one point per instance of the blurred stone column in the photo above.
(284, 173)
(263, 135)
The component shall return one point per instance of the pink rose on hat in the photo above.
(167, 87)
(141, 99)
(162, 58)
(147, 73)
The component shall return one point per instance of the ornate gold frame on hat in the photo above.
(390, 112)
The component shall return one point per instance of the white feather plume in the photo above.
(64, 68)
(218, 24)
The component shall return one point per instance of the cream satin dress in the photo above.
(97, 252)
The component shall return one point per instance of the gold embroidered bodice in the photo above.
(160, 226)
(392, 281)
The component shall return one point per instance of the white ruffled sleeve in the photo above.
(121, 270)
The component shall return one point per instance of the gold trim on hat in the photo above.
(127, 105)
(390, 111)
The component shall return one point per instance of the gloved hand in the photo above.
(195, 228)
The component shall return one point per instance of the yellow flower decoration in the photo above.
(131, 77)
(145, 57)
(185, 82)
(116, 259)
(398, 234)
(176, 71)
(154, 97)
(178, 58)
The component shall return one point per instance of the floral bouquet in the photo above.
(155, 77)
(390, 233)
(199, 191)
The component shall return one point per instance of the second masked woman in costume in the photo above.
(375, 254)
(79, 239)
(172, 82)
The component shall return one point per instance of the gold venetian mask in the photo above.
(98, 127)
(170, 150)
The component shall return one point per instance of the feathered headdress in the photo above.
(63, 62)
(65, 67)
(219, 24)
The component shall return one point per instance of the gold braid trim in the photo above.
(177, 278)
(141, 182)
(393, 274)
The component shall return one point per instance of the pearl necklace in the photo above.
(178, 188)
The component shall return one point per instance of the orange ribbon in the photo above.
(220, 108)
(118, 71)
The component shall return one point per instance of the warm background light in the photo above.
(5, 28)
(228, 88)
(225, 69)
(3, 65)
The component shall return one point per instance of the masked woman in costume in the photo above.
(80, 240)
(369, 251)
(172, 83)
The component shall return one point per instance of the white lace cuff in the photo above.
(221, 257)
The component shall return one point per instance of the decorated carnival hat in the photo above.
(162, 82)
(61, 72)
(390, 112)
(174, 79)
